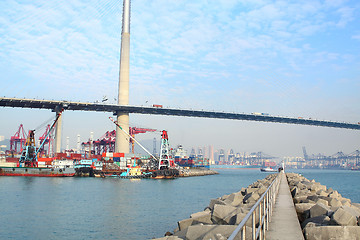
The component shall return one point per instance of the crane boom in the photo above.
(132, 138)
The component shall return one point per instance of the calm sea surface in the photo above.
(95, 208)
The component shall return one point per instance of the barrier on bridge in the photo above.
(263, 207)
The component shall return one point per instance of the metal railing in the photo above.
(263, 209)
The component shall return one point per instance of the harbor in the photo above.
(179, 120)
(122, 212)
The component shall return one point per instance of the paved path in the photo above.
(284, 222)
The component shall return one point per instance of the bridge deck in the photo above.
(284, 222)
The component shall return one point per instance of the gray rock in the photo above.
(352, 210)
(220, 212)
(224, 197)
(343, 218)
(215, 201)
(294, 191)
(335, 202)
(236, 219)
(302, 210)
(209, 232)
(250, 190)
(322, 193)
(235, 199)
(202, 217)
(319, 209)
(334, 194)
(251, 197)
(321, 220)
(299, 199)
(169, 238)
(332, 232)
(185, 223)
(313, 198)
(345, 202)
(326, 203)
(357, 205)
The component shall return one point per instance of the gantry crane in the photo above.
(19, 138)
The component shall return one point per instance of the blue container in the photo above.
(116, 159)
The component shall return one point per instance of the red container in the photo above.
(44, 159)
(12, 159)
(119, 155)
(60, 155)
(75, 156)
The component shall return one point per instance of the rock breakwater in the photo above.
(323, 213)
(193, 172)
(221, 217)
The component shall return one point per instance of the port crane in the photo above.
(48, 140)
(132, 138)
(29, 154)
(19, 138)
(106, 143)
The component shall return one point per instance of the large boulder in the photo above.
(332, 232)
(220, 212)
(321, 220)
(185, 223)
(343, 217)
(202, 217)
(215, 201)
(251, 197)
(234, 199)
(319, 209)
(299, 199)
(302, 210)
(210, 232)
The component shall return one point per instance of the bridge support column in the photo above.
(122, 141)
(58, 132)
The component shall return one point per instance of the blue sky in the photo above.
(288, 58)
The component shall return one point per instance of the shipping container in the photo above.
(12, 159)
(119, 154)
(60, 155)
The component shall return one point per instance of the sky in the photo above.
(286, 58)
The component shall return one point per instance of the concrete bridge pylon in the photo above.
(122, 143)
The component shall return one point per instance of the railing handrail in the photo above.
(252, 210)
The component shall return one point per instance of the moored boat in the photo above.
(37, 172)
(268, 169)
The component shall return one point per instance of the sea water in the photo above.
(112, 208)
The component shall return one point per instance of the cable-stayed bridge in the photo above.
(98, 107)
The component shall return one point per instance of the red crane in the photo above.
(135, 130)
(48, 140)
(19, 138)
(107, 141)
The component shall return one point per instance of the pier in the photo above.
(281, 206)
(284, 221)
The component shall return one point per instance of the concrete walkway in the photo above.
(284, 222)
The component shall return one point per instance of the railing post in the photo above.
(253, 225)
(260, 224)
(243, 237)
(264, 213)
(268, 212)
